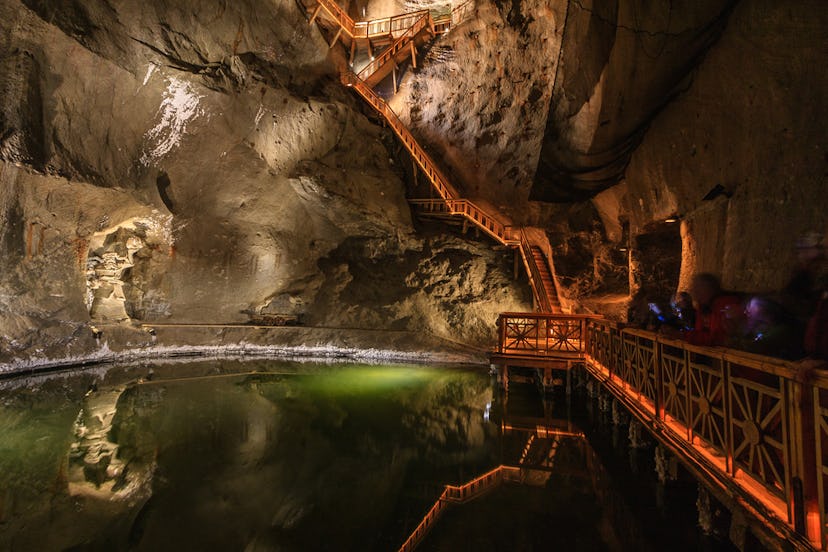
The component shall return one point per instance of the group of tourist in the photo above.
(790, 324)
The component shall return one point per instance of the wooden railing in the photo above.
(756, 425)
(439, 182)
(422, 21)
(538, 334)
(502, 233)
(458, 15)
(459, 494)
(387, 26)
(543, 296)
(338, 14)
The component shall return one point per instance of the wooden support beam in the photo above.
(517, 263)
(338, 33)
(413, 55)
(315, 13)
(353, 52)
(370, 50)
(394, 76)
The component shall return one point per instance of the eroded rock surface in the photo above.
(199, 164)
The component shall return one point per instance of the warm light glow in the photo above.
(671, 220)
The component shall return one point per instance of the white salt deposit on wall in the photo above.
(179, 106)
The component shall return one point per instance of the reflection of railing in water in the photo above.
(459, 494)
(755, 426)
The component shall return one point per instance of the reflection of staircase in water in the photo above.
(535, 465)
(403, 34)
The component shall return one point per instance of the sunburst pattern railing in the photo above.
(759, 423)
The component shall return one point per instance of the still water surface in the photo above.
(270, 455)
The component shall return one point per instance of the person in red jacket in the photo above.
(717, 312)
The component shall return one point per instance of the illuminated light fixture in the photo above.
(372, 58)
(671, 220)
(622, 249)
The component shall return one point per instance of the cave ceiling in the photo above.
(620, 64)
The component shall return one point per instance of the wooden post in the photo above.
(353, 51)
(658, 382)
(370, 50)
(804, 400)
(413, 55)
(333, 42)
(394, 77)
(315, 13)
(516, 263)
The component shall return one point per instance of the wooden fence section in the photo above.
(388, 26)
(542, 334)
(459, 494)
(755, 426)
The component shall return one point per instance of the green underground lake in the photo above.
(303, 456)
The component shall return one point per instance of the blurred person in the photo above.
(804, 290)
(816, 330)
(816, 326)
(771, 330)
(683, 311)
(715, 311)
(640, 313)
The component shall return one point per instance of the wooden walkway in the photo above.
(753, 429)
(404, 33)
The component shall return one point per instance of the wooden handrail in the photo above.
(343, 20)
(410, 34)
(502, 233)
(387, 25)
(755, 425)
(439, 182)
(533, 271)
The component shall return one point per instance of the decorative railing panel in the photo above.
(757, 425)
(707, 402)
(542, 334)
(737, 413)
(674, 385)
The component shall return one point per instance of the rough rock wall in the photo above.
(752, 123)
(749, 118)
(185, 163)
(480, 98)
(619, 64)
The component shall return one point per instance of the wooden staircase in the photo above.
(448, 204)
(420, 32)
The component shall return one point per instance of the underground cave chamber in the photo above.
(386, 274)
